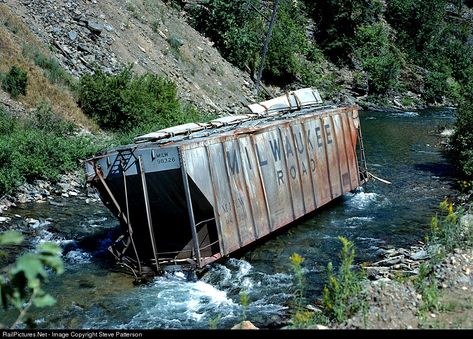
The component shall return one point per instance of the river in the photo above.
(402, 147)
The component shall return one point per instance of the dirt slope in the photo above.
(148, 33)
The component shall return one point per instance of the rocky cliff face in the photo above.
(151, 35)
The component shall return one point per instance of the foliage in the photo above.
(21, 282)
(302, 317)
(238, 29)
(427, 288)
(418, 23)
(38, 148)
(125, 101)
(15, 82)
(289, 45)
(233, 26)
(462, 139)
(446, 230)
(435, 42)
(296, 263)
(337, 24)
(244, 302)
(379, 56)
(343, 294)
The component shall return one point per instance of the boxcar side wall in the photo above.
(263, 178)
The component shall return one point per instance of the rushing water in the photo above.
(402, 147)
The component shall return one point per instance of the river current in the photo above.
(401, 147)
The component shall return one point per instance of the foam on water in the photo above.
(408, 114)
(173, 302)
(78, 257)
(362, 200)
(355, 222)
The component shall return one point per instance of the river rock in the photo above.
(420, 255)
(4, 219)
(245, 325)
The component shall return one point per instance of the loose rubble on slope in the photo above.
(112, 34)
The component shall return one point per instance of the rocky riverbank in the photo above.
(395, 300)
(68, 185)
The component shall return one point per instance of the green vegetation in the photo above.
(127, 102)
(41, 147)
(238, 29)
(301, 316)
(338, 22)
(447, 233)
(21, 282)
(343, 294)
(15, 81)
(54, 71)
(380, 58)
(462, 140)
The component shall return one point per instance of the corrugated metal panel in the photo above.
(224, 207)
(263, 178)
(303, 166)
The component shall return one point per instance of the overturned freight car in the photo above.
(192, 194)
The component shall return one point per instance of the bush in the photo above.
(238, 31)
(125, 101)
(462, 139)
(380, 57)
(54, 71)
(40, 148)
(435, 87)
(289, 45)
(418, 24)
(337, 23)
(233, 26)
(15, 82)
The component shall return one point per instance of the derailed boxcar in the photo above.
(192, 194)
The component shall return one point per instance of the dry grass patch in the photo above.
(14, 36)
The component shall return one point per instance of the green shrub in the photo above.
(238, 31)
(125, 101)
(15, 82)
(380, 57)
(462, 139)
(435, 87)
(233, 26)
(337, 23)
(418, 25)
(40, 148)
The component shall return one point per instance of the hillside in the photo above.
(149, 34)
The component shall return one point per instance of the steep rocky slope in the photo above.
(151, 35)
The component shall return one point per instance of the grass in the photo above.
(40, 88)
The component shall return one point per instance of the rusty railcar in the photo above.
(192, 194)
